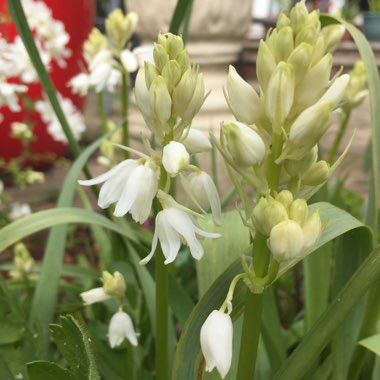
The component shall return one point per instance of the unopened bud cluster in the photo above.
(107, 55)
(23, 262)
(291, 231)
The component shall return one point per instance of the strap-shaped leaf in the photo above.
(188, 360)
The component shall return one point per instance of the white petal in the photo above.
(169, 238)
(120, 328)
(129, 61)
(213, 197)
(146, 259)
(94, 295)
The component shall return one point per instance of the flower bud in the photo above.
(336, 91)
(284, 44)
(300, 59)
(94, 295)
(333, 35)
(120, 328)
(282, 21)
(319, 50)
(23, 262)
(172, 74)
(310, 125)
(161, 57)
(285, 197)
(196, 142)
(314, 84)
(175, 157)
(183, 93)
(307, 34)
(119, 27)
(216, 342)
(160, 101)
(244, 144)
(183, 60)
(95, 42)
(312, 229)
(265, 65)
(143, 98)
(196, 100)
(298, 167)
(150, 72)
(298, 16)
(114, 285)
(174, 45)
(286, 240)
(242, 99)
(279, 95)
(129, 61)
(317, 174)
(298, 211)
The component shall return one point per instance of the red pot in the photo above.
(78, 17)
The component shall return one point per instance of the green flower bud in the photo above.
(242, 99)
(308, 34)
(143, 98)
(286, 240)
(265, 65)
(174, 45)
(196, 100)
(298, 16)
(172, 74)
(114, 285)
(284, 44)
(244, 144)
(300, 59)
(285, 197)
(95, 42)
(313, 20)
(183, 93)
(312, 230)
(280, 94)
(161, 57)
(310, 126)
(282, 21)
(160, 101)
(119, 27)
(298, 211)
(258, 214)
(314, 83)
(183, 61)
(336, 91)
(317, 174)
(319, 50)
(298, 167)
(274, 213)
(23, 261)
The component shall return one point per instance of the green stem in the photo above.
(322, 331)
(274, 169)
(124, 110)
(162, 307)
(130, 372)
(338, 137)
(102, 112)
(252, 314)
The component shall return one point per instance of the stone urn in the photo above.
(216, 33)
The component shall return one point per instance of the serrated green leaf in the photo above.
(74, 343)
(44, 370)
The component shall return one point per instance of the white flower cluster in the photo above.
(74, 118)
(106, 55)
(134, 183)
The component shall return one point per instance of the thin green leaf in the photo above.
(5, 372)
(318, 337)
(38, 221)
(181, 11)
(372, 343)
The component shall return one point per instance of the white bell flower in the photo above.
(195, 141)
(129, 60)
(8, 95)
(216, 342)
(19, 210)
(131, 185)
(172, 226)
(94, 295)
(205, 194)
(175, 157)
(80, 84)
(120, 328)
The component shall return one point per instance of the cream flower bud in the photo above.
(312, 229)
(196, 100)
(94, 295)
(121, 328)
(244, 144)
(284, 43)
(150, 72)
(216, 342)
(300, 59)
(286, 240)
(119, 27)
(310, 125)
(205, 194)
(298, 211)
(265, 65)
(23, 261)
(242, 99)
(160, 100)
(336, 91)
(183, 93)
(317, 174)
(298, 167)
(298, 16)
(333, 35)
(161, 57)
(280, 94)
(174, 45)
(314, 84)
(307, 34)
(175, 157)
(95, 42)
(195, 141)
(172, 74)
(114, 285)
(282, 21)
(286, 198)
